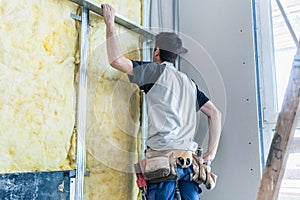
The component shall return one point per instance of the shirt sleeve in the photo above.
(145, 74)
(201, 98)
(140, 72)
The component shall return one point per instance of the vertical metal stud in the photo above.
(82, 105)
(176, 27)
(147, 49)
(72, 188)
(176, 16)
(144, 123)
(160, 16)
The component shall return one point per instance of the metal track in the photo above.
(82, 105)
(96, 8)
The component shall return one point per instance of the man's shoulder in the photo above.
(143, 64)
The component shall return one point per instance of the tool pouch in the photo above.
(160, 166)
(202, 173)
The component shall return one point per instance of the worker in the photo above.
(172, 101)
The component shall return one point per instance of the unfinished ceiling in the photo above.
(282, 36)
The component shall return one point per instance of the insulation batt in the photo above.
(37, 102)
(39, 55)
(113, 112)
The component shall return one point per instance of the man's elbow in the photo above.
(216, 114)
(115, 63)
(219, 114)
(121, 64)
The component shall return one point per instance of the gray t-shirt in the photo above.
(172, 101)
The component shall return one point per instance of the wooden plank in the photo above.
(284, 133)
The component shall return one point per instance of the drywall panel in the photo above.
(219, 36)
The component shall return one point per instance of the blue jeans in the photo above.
(165, 190)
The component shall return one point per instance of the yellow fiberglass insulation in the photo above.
(38, 44)
(113, 112)
(38, 58)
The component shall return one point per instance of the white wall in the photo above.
(219, 36)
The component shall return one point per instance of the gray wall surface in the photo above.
(221, 59)
(225, 31)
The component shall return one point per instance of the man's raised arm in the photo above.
(116, 59)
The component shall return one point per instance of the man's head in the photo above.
(167, 46)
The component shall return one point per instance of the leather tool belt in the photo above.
(183, 158)
(202, 173)
(160, 166)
